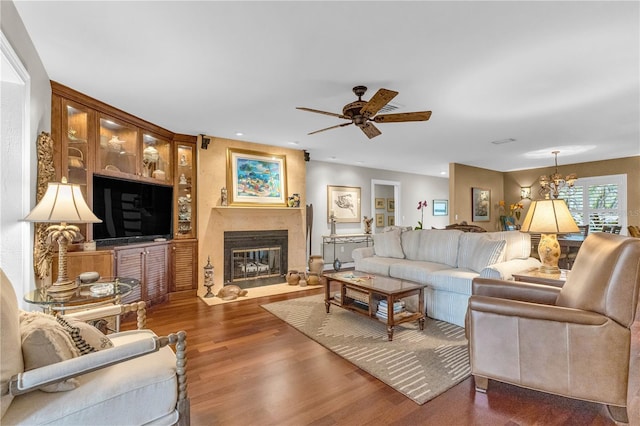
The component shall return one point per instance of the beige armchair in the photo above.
(126, 378)
(572, 341)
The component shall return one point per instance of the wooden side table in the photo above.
(534, 275)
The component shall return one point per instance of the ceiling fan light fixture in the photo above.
(363, 113)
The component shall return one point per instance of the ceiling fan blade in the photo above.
(377, 101)
(370, 130)
(402, 116)
(329, 128)
(324, 112)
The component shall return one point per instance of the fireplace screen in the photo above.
(255, 257)
(256, 263)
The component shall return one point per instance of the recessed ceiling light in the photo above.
(443, 173)
(294, 143)
(239, 134)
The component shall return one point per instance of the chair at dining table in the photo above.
(573, 251)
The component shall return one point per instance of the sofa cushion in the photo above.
(456, 280)
(440, 246)
(518, 243)
(411, 244)
(376, 265)
(10, 353)
(476, 251)
(415, 270)
(387, 244)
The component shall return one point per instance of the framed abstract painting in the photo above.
(256, 178)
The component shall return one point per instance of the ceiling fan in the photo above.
(362, 112)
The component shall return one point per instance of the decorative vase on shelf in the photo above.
(316, 264)
(293, 278)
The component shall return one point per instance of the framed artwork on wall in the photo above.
(344, 203)
(379, 203)
(255, 177)
(480, 204)
(380, 219)
(391, 204)
(440, 207)
(391, 220)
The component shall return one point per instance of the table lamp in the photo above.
(549, 218)
(62, 202)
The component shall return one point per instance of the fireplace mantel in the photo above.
(249, 218)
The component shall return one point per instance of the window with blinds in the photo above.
(598, 201)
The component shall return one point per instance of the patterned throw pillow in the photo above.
(47, 340)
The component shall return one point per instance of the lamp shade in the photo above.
(63, 202)
(549, 217)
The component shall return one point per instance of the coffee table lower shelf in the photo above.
(362, 295)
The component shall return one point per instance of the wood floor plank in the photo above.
(245, 367)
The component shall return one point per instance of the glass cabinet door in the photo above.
(75, 134)
(185, 175)
(156, 159)
(118, 149)
(77, 150)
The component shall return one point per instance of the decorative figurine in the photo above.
(367, 224)
(332, 219)
(183, 179)
(223, 196)
(208, 277)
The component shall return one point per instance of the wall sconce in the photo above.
(525, 192)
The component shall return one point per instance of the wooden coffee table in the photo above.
(361, 293)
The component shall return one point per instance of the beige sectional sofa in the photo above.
(446, 260)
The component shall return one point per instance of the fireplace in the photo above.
(254, 258)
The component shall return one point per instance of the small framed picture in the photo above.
(480, 204)
(440, 207)
(391, 220)
(380, 219)
(379, 203)
(391, 204)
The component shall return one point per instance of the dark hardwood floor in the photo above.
(247, 367)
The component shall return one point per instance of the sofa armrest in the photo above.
(362, 252)
(522, 291)
(505, 270)
(33, 379)
(535, 311)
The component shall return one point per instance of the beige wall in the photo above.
(629, 166)
(506, 186)
(462, 179)
(213, 219)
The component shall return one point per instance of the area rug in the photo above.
(421, 364)
(267, 290)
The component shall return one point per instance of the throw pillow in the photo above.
(387, 244)
(477, 251)
(47, 340)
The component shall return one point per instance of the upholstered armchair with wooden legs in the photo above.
(572, 341)
(60, 370)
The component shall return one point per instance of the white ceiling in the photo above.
(551, 75)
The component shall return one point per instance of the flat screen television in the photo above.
(131, 211)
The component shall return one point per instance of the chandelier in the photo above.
(550, 185)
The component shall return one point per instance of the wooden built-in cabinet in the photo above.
(185, 270)
(150, 264)
(93, 138)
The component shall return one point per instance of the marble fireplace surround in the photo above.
(253, 219)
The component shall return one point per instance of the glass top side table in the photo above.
(104, 291)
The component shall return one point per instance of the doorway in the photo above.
(385, 204)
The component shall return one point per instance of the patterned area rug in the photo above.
(419, 364)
